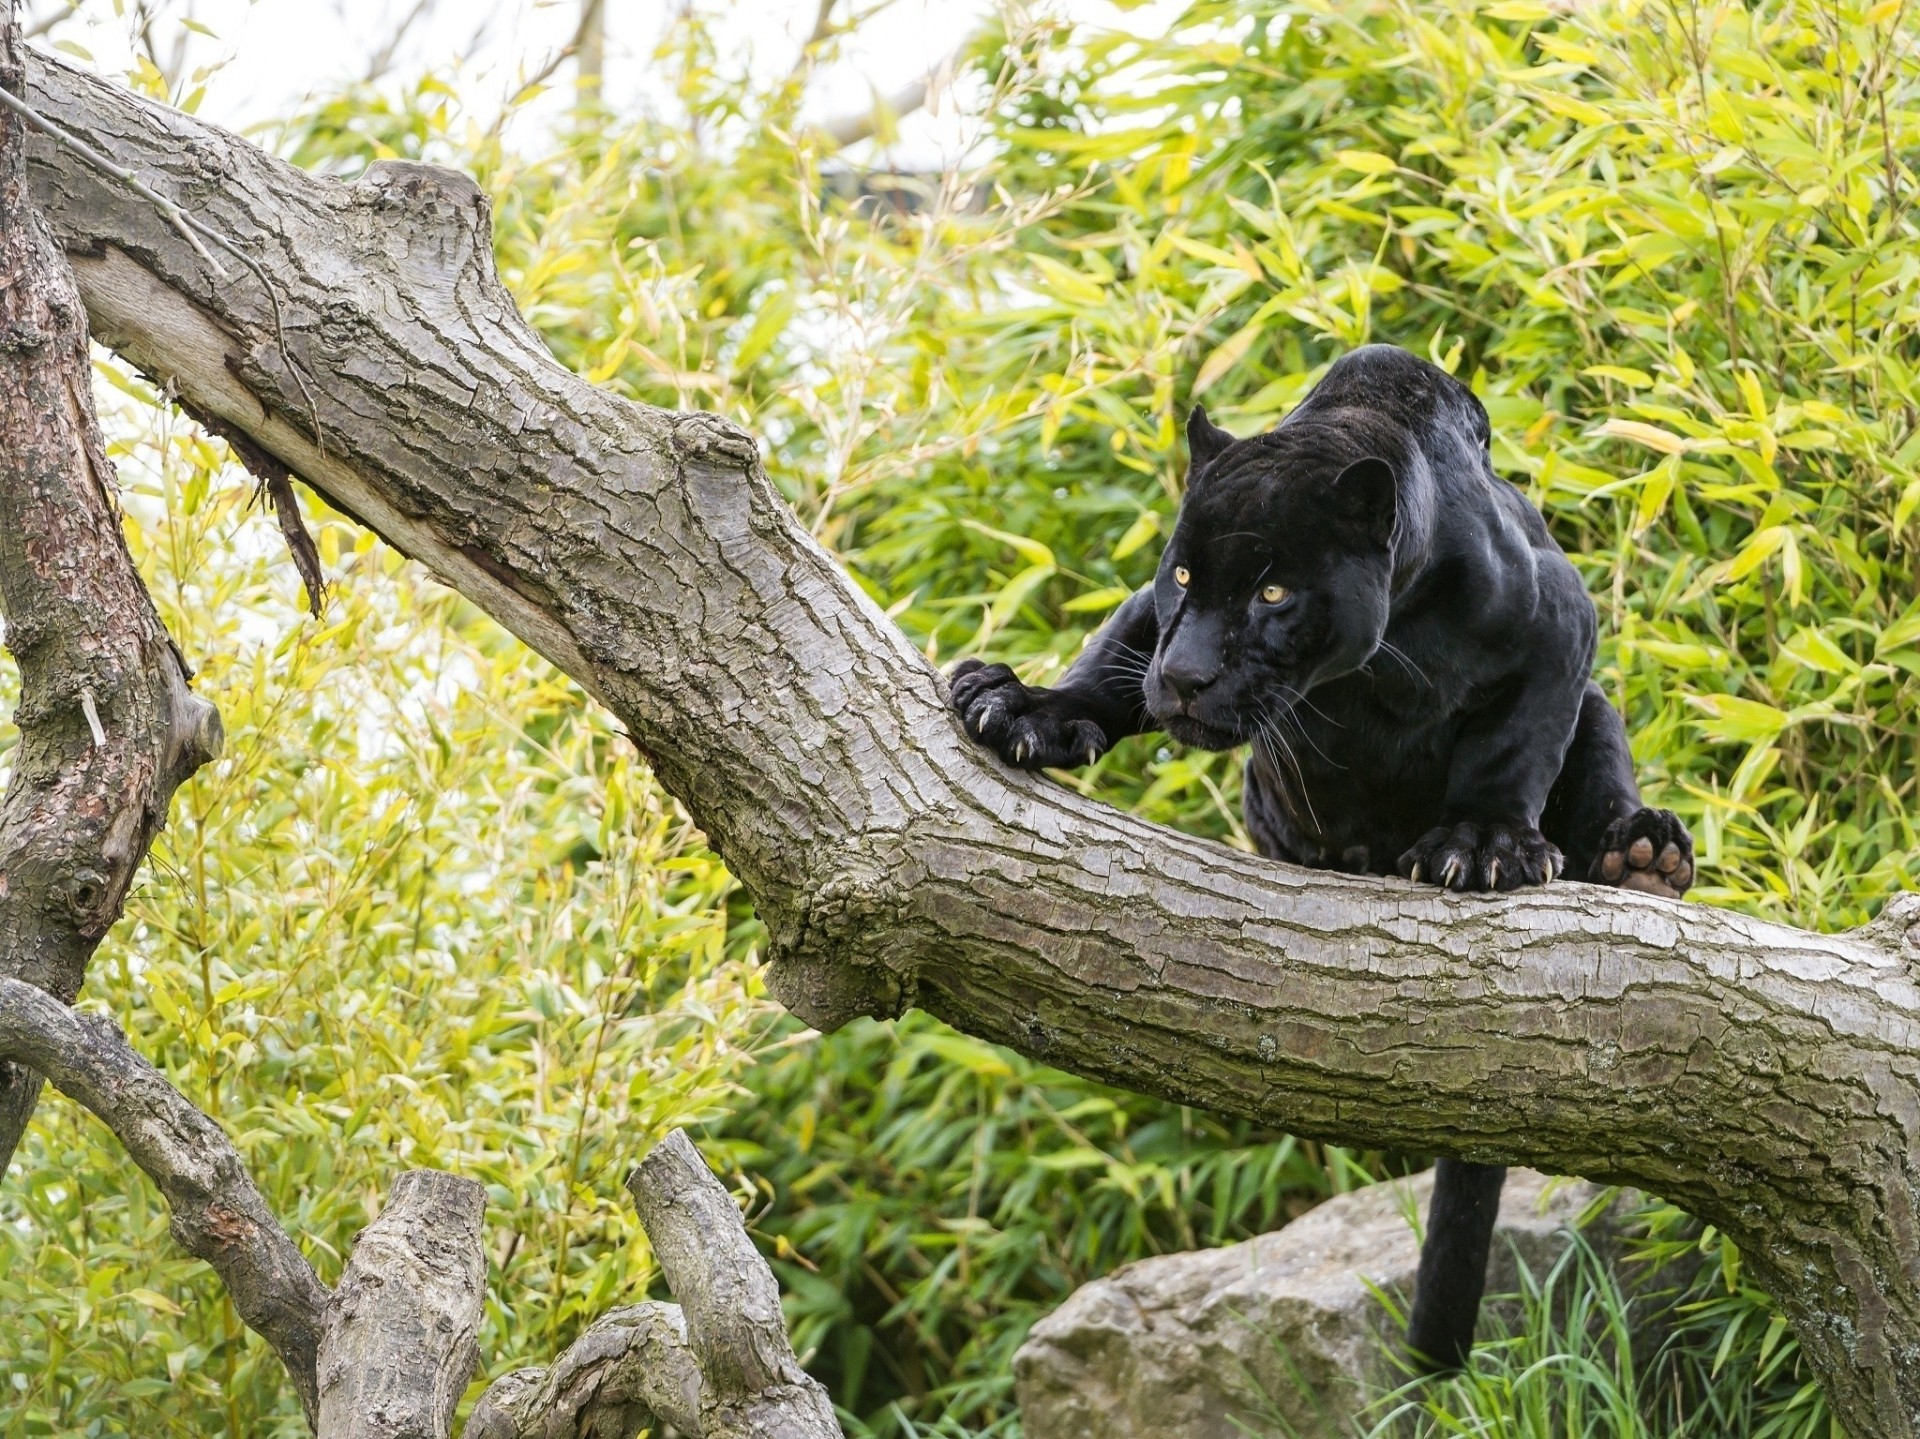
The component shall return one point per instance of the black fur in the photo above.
(1416, 693)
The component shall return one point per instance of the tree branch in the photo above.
(217, 1213)
(754, 1388)
(717, 1365)
(401, 1337)
(631, 1370)
(108, 727)
(1761, 1076)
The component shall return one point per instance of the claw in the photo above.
(1451, 872)
(1415, 875)
(1493, 874)
(1020, 753)
(1093, 753)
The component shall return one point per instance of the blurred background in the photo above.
(963, 268)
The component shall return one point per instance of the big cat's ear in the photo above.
(1205, 440)
(1366, 499)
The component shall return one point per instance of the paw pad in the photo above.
(1649, 851)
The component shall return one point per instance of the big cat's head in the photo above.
(1277, 578)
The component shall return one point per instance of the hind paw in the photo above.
(1469, 856)
(1649, 850)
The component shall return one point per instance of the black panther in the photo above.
(1389, 626)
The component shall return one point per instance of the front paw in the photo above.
(1649, 850)
(1480, 857)
(1020, 723)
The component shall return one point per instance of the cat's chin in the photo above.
(1199, 734)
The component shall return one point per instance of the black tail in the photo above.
(1453, 1261)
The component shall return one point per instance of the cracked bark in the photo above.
(630, 1370)
(108, 727)
(716, 1365)
(753, 1386)
(1766, 1078)
(401, 1337)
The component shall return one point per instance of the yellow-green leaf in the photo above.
(1032, 551)
(1815, 649)
(1527, 12)
(1903, 631)
(1231, 350)
(1625, 374)
(1138, 533)
(1655, 491)
(1367, 162)
(1756, 550)
(1730, 717)
(1096, 601)
(1652, 436)
(1909, 502)
(1068, 283)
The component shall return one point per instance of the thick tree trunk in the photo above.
(108, 728)
(1766, 1078)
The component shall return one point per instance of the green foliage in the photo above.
(427, 911)
(1650, 1348)
(1668, 243)
(930, 1196)
(1576, 1361)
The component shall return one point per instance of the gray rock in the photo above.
(1207, 1345)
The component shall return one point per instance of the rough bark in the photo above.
(401, 1337)
(217, 1213)
(753, 1386)
(1766, 1078)
(388, 1354)
(632, 1369)
(108, 728)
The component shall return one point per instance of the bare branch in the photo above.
(851, 129)
(218, 1214)
(382, 60)
(590, 47)
(754, 1385)
(400, 1342)
(823, 30)
(66, 10)
(631, 1370)
(108, 726)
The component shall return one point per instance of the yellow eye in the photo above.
(1181, 576)
(1273, 594)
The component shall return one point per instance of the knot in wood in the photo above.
(709, 437)
(209, 164)
(22, 632)
(433, 224)
(431, 192)
(84, 891)
(827, 954)
(1899, 921)
(23, 339)
(206, 733)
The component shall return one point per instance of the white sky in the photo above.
(282, 50)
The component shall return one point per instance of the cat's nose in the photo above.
(1186, 683)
